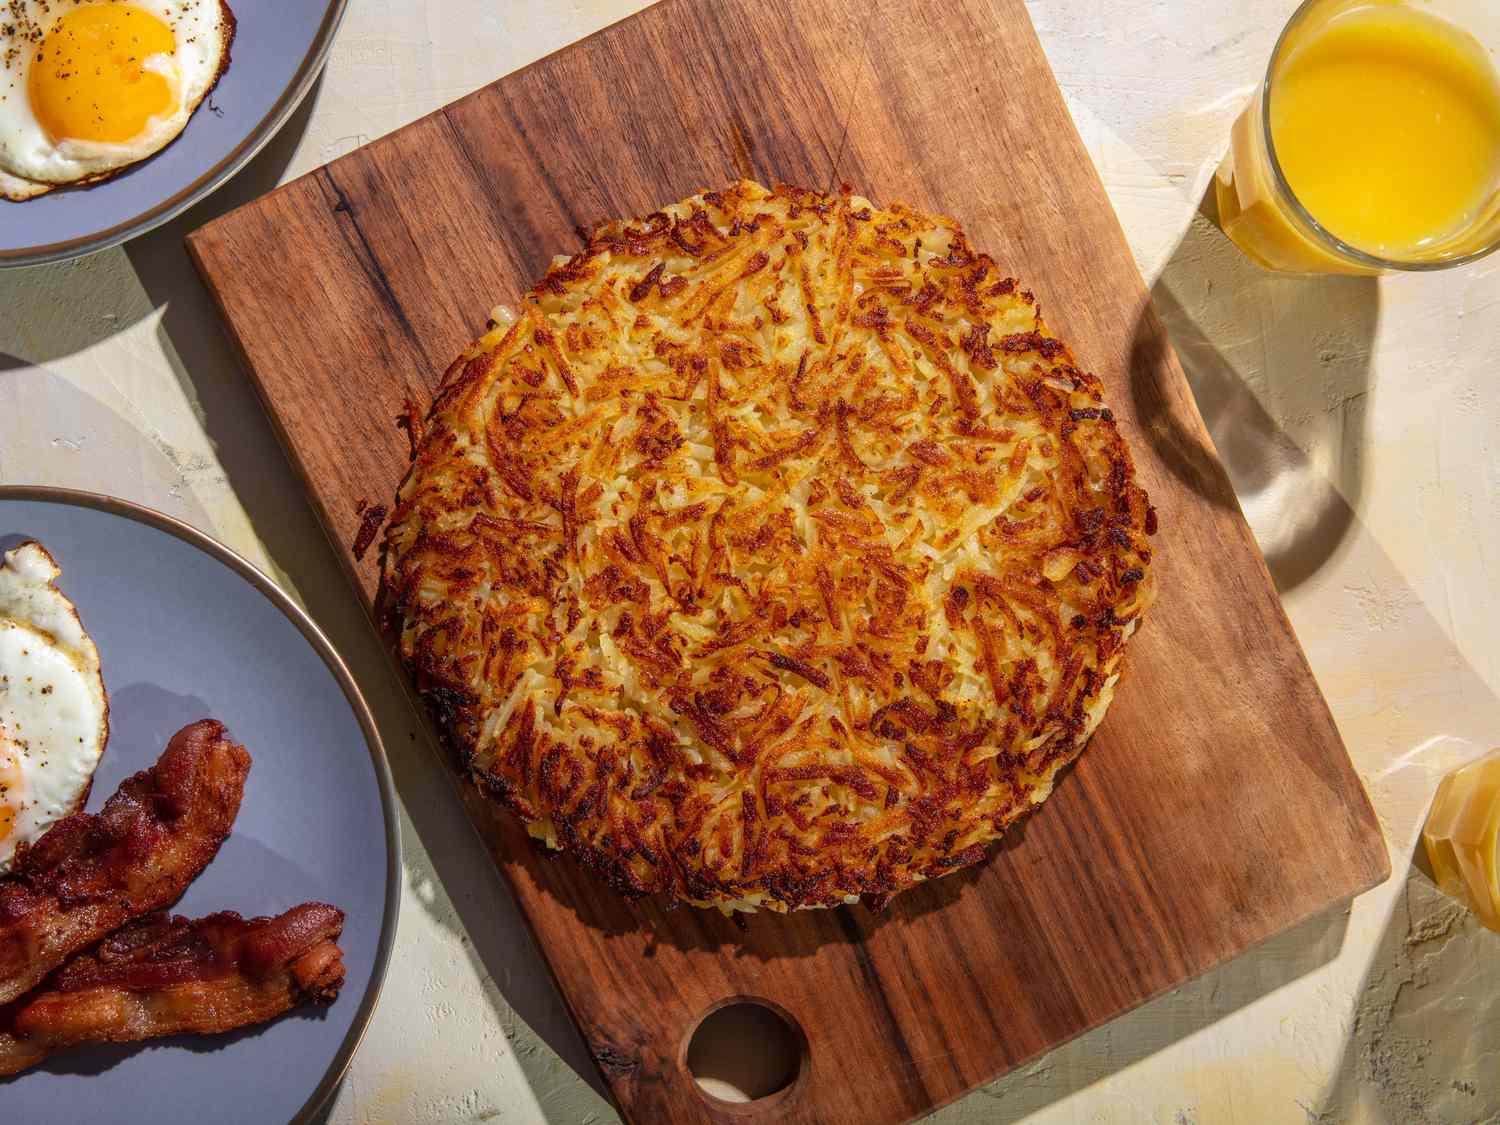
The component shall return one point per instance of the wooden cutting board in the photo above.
(1215, 808)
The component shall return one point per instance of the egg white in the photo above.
(54, 713)
(15, 188)
(31, 162)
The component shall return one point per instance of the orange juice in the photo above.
(1462, 834)
(1384, 121)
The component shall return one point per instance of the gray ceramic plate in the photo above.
(279, 48)
(187, 630)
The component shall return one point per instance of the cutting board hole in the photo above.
(745, 1051)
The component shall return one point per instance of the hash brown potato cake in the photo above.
(773, 555)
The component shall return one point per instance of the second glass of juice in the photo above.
(1374, 142)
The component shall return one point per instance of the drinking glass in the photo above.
(1263, 215)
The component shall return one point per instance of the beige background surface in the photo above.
(1361, 426)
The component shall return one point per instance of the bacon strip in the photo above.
(171, 976)
(91, 873)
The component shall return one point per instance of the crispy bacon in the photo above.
(170, 976)
(91, 873)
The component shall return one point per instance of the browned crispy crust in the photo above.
(231, 26)
(369, 525)
(776, 554)
(171, 976)
(91, 873)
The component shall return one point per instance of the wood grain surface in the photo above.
(1216, 806)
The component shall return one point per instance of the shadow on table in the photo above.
(65, 297)
(1156, 1025)
(1426, 1022)
(65, 426)
(69, 307)
(203, 361)
(450, 873)
(1248, 339)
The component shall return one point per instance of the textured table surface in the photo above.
(1356, 424)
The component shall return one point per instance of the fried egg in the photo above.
(89, 87)
(54, 713)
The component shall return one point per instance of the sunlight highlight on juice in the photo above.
(1462, 837)
(1387, 126)
(1385, 121)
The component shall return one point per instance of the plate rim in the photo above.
(210, 181)
(318, 640)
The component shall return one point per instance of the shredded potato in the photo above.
(774, 555)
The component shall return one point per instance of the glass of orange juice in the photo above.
(1374, 142)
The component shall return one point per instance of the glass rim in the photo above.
(1318, 231)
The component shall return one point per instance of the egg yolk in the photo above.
(90, 80)
(11, 785)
